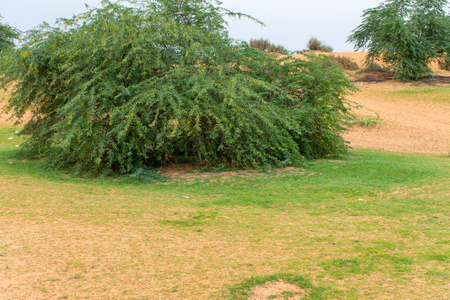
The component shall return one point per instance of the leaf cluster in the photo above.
(405, 34)
(134, 85)
(7, 36)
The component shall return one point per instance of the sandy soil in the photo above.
(407, 126)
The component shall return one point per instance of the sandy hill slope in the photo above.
(416, 115)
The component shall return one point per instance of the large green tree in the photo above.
(7, 36)
(122, 87)
(406, 35)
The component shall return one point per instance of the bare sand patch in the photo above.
(277, 290)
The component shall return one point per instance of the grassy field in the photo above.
(373, 225)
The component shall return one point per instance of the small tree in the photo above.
(7, 36)
(405, 34)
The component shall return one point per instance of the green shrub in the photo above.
(124, 87)
(7, 36)
(315, 44)
(144, 174)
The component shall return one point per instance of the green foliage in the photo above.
(267, 46)
(315, 44)
(145, 174)
(125, 86)
(406, 35)
(7, 36)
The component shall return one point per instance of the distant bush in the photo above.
(344, 62)
(326, 49)
(277, 49)
(267, 46)
(260, 44)
(332, 61)
(315, 44)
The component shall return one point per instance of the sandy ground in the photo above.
(407, 126)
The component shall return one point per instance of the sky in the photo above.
(289, 23)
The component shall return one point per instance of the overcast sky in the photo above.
(288, 22)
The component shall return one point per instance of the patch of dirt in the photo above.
(277, 290)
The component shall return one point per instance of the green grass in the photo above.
(369, 225)
(435, 94)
